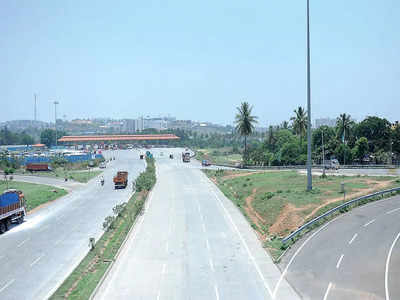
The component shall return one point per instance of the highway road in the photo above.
(192, 243)
(53, 181)
(36, 256)
(356, 256)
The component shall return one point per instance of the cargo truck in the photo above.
(38, 167)
(121, 179)
(186, 156)
(12, 209)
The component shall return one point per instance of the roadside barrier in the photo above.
(335, 209)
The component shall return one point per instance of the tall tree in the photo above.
(244, 122)
(343, 125)
(377, 131)
(299, 121)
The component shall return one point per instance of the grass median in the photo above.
(35, 194)
(83, 280)
(276, 202)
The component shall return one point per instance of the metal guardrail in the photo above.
(335, 209)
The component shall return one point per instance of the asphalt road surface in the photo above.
(57, 182)
(36, 256)
(192, 243)
(356, 256)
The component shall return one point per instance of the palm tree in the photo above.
(300, 121)
(285, 125)
(244, 122)
(343, 125)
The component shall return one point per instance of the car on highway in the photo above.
(332, 164)
(102, 165)
(205, 163)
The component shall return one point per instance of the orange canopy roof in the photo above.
(127, 137)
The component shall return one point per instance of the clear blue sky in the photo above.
(198, 59)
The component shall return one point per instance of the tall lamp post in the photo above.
(55, 118)
(309, 175)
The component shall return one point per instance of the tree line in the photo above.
(373, 140)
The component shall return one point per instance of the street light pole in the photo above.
(55, 118)
(309, 175)
(323, 155)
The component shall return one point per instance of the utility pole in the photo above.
(35, 114)
(323, 155)
(309, 174)
(55, 118)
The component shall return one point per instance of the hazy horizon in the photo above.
(198, 61)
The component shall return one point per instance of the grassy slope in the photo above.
(35, 194)
(274, 190)
(217, 156)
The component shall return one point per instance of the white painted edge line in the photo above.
(392, 211)
(203, 226)
(36, 260)
(7, 285)
(211, 265)
(370, 222)
(298, 251)
(167, 247)
(164, 267)
(387, 267)
(216, 292)
(353, 238)
(23, 242)
(207, 244)
(327, 291)
(245, 245)
(339, 261)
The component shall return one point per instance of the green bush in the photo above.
(147, 179)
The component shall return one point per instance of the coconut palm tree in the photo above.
(343, 125)
(299, 121)
(244, 122)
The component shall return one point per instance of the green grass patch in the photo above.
(219, 156)
(35, 194)
(272, 191)
(83, 280)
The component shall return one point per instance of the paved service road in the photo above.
(191, 243)
(36, 256)
(356, 256)
(57, 182)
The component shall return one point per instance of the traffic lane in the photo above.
(313, 266)
(204, 275)
(67, 218)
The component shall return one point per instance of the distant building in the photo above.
(155, 123)
(325, 122)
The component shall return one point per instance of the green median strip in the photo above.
(83, 280)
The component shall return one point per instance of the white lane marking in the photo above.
(339, 261)
(370, 222)
(211, 264)
(353, 238)
(327, 291)
(7, 285)
(244, 244)
(167, 247)
(23, 242)
(58, 241)
(158, 295)
(392, 211)
(163, 268)
(208, 245)
(36, 260)
(216, 292)
(204, 227)
(387, 267)
(297, 252)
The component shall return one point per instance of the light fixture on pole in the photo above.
(309, 175)
(55, 118)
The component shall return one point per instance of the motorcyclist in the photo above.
(102, 180)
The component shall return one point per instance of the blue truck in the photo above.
(12, 209)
